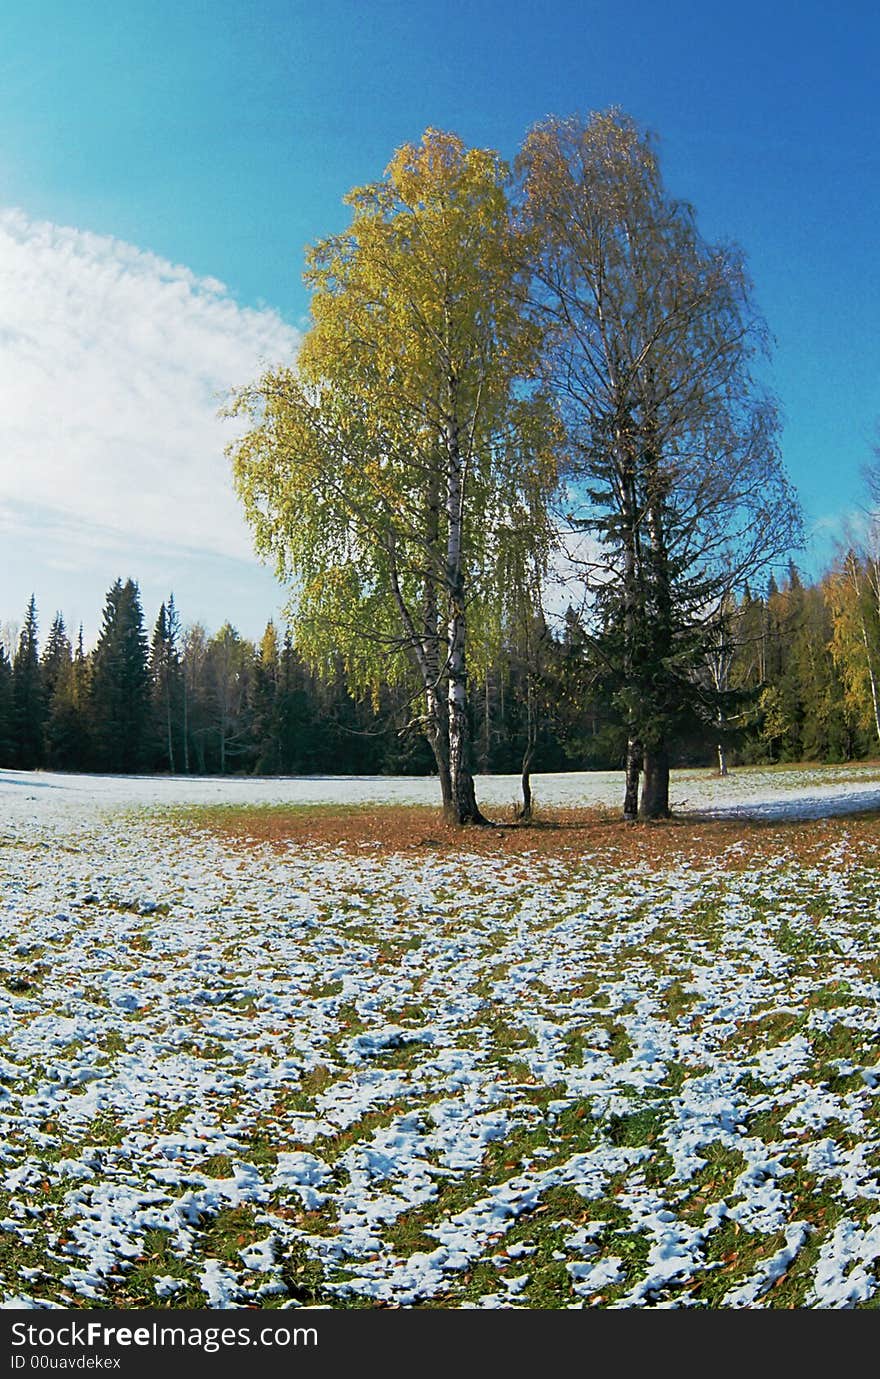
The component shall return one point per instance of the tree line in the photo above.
(186, 702)
(180, 701)
(795, 669)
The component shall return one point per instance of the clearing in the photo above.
(295, 1043)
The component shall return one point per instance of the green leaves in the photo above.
(415, 382)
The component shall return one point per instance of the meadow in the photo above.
(300, 1044)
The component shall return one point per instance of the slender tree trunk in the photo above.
(438, 739)
(525, 813)
(654, 803)
(655, 788)
(424, 644)
(634, 756)
(487, 731)
(720, 661)
(869, 661)
(464, 801)
(871, 680)
(631, 619)
(424, 641)
(464, 808)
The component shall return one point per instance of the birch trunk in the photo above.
(654, 803)
(634, 756)
(525, 813)
(464, 808)
(872, 679)
(631, 600)
(464, 801)
(438, 740)
(424, 640)
(437, 709)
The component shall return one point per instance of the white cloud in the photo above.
(113, 364)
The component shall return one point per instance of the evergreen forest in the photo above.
(796, 667)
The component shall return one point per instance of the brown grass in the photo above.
(395, 829)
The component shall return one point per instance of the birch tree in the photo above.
(398, 475)
(675, 469)
(851, 591)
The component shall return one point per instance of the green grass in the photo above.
(580, 1034)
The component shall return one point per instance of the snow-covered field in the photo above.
(773, 793)
(235, 1075)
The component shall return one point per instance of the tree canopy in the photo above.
(479, 348)
(399, 476)
(650, 335)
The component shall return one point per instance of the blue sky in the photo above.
(163, 165)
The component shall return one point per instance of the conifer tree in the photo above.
(57, 655)
(64, 726)
(67, 741)
(265, 705)
(297, 714)
(119, 694)
(29, 706)
(81, 695)
(166, 682)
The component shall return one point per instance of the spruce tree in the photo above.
(29, 708)
(265, 705)
(66, 732)
(296, 714)
(81, 696)
(166, 681)
(64, 726)
(57, 655)
(119, 697)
